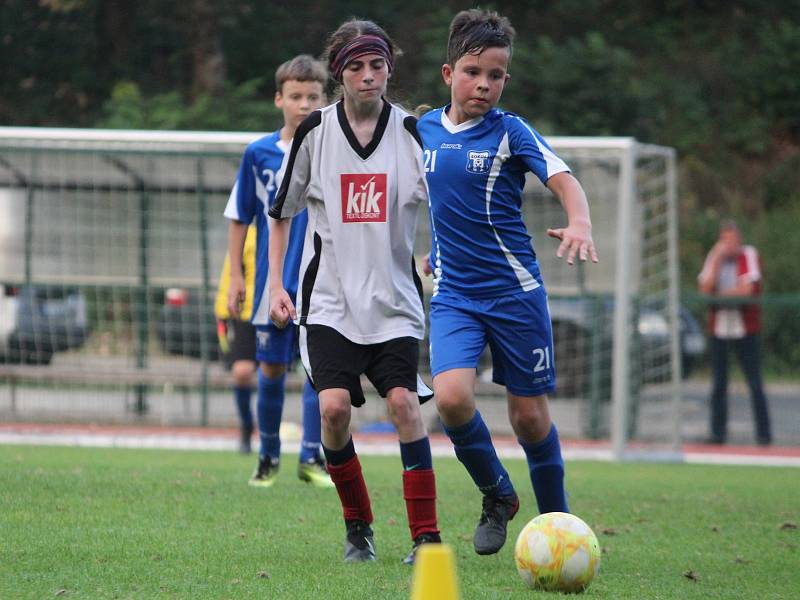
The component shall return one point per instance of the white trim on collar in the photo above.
(448, 124)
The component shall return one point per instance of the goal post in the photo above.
(617, 323)
(120, 228)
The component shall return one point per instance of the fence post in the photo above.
(203, 325)
(29, 220)
(142, 297)
(674, 300)
(595, 369)
(142, 293)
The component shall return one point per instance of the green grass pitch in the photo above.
(112, 523)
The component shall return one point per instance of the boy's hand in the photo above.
(576, 240)
(426, 265)
(236, 294)
(281, 308)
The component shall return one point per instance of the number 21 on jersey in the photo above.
(430, 160)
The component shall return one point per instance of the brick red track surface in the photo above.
(215, 438)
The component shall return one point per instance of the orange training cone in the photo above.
(434, 574)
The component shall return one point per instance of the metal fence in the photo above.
(111, 244)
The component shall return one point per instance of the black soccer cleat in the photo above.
(265, 474)
(359, 545)
(422, 538)
(490, 534)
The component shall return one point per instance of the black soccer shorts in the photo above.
(336, 362)
(241, 341)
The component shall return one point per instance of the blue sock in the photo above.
(473, 446)
(312, 426)
(547, 472)
(242, 396)
(270, 411)
(416, 455)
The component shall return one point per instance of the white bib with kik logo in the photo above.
(357, 273)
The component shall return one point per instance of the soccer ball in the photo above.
(557, 552)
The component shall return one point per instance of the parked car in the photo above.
(576, 320)
(583, 337)
(183, 325)
(36, 321)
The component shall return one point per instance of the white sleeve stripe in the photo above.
(261, 191)
(232, 208)
(526, 280)
(552, 162)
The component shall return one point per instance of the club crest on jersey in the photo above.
(363, 198)
(478, 161)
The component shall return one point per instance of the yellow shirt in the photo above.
(249, 266)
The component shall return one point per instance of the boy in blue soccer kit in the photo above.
(487, 284)
(300, 85)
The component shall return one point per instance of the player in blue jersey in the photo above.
(487, 284)
(300, 85)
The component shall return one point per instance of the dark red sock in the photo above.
(352, 490)
(419, 491)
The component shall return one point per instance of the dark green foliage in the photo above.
(243, 104)
(560, 81)
(778, 83)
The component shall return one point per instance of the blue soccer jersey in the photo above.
(250, 200)
(476, 174)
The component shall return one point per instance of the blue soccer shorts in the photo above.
(276, 346)
(516, 327)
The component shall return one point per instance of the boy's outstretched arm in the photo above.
(281, 307)
(576, 237)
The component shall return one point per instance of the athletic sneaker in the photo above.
(359, 546)
(245, 435)
(265, 473)
(422, 538)
(315, 472)
(490, 534)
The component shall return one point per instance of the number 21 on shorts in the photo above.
(541, 357)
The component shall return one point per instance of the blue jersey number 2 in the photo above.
(269, 175)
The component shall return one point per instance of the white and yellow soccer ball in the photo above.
(557, 552)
